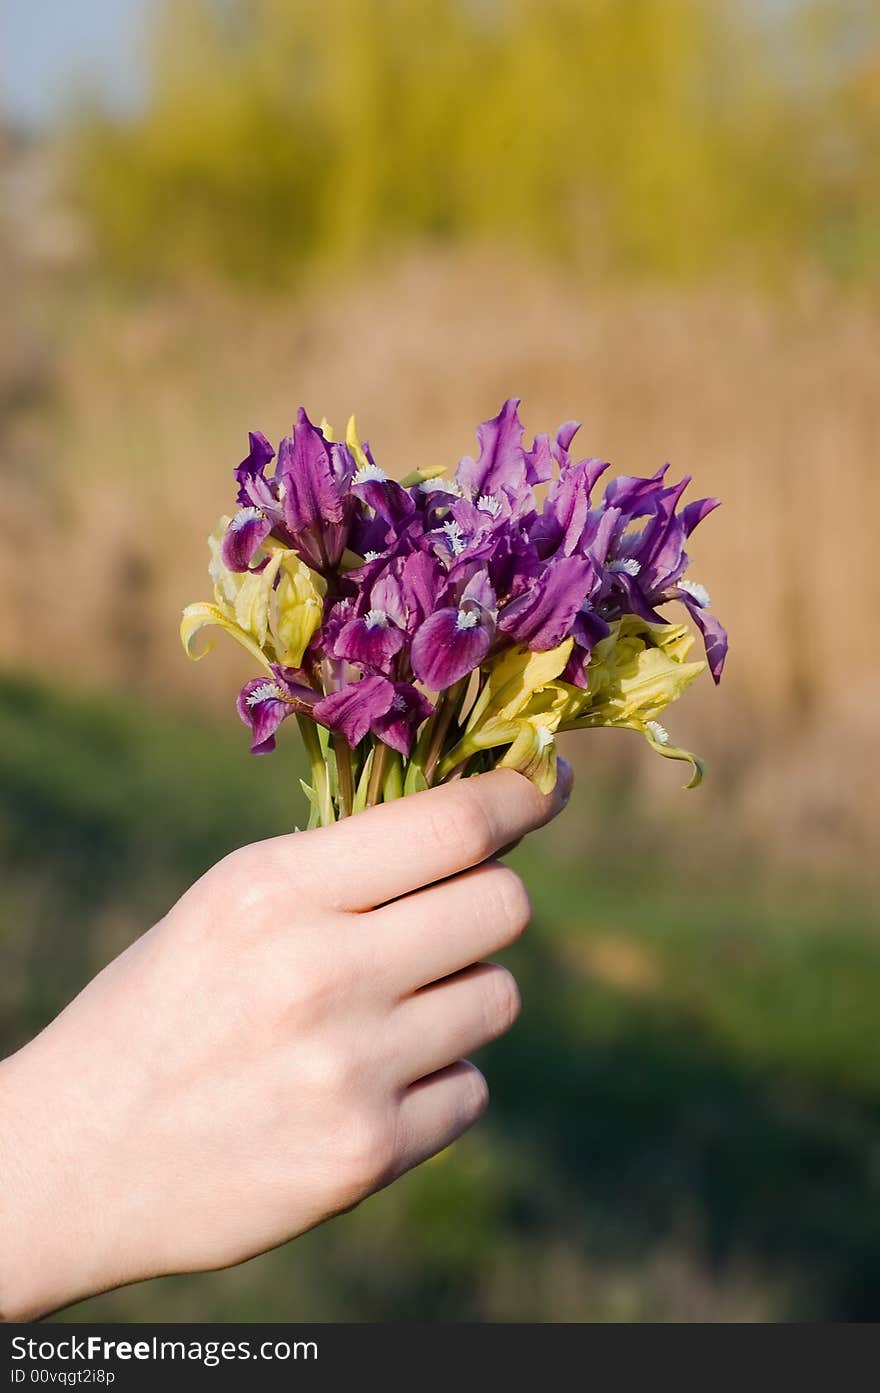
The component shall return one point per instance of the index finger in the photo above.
(398, 847)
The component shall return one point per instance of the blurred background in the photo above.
(662, 217)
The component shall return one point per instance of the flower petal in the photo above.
(253, 466)
(297, 609)
(533, 754)
(198, 616)
(262, 706)
(372, 645)
(446, 647)
(544, 614)
(244, 536)
(659, 742)
(353, 709)
(513, 680)
(714, 637)
(398, 725)
(502, 459)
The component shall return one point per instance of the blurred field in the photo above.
(663, 218)
(684, 1122)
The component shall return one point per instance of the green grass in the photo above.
(685, 1122)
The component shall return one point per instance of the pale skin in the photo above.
(290, 1038)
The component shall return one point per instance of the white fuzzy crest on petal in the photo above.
(659, 732)
(369, 473)
(267, 691)
(243, 517)
(698, 593)
(454, 537)
(440, 486)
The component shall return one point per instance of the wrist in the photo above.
(50, 1249)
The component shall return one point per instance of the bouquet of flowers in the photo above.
(433, 628)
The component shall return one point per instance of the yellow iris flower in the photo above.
(275, 623)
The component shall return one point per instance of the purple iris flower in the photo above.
(636, 538)
(371, 639)
(244, 536)
(253, 489)
(455, 640)
(393, 711)
(313, 480)
(544, 613)
(263, 704)
(454, 571)
(260, 510)
(390, 502)
(564, 522)
(501, 462)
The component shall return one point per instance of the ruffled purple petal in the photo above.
(243, 537)
(262, 706)
(387, 595)
(386, 497)
(692, 515)
(589, 628)
(661, 553)
(353, 709)
(398, 726)
(479, 591)
(423, 586)
(564, 436)
(343, 465)
(543, 615)
(539, 461)
(627, 598)
(371, 642)
(560, 527)
(634, 496)
(450, 644)
(502, 460)
(316, 513)
(714, 636)
(260, 454)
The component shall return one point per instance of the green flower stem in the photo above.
(440, 723)
(393, 779)
(414, 776)
(377, 773)
(344, 775)
(320, 775)
(363, 783)
(461, 752)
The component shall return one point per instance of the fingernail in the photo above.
(564, 780)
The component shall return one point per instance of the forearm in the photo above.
(52, 1248)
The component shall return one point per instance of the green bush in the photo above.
(663, 137)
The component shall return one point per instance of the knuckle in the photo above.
(510, 903)
(460, 824)
(326, 1075)
(232, 897)
(366, 1159)
(502, 1000)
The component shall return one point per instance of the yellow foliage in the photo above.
(660, 136)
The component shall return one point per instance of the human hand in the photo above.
(288, 1039)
